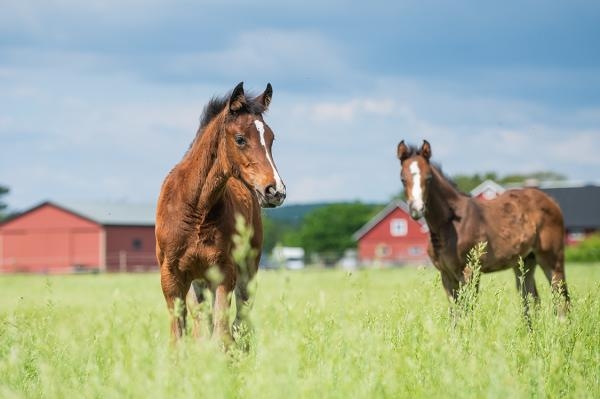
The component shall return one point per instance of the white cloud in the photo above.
(55, 16)
(577, 147)
(268, 54)
(326, 187)
(120, 146)
(108, 123)
(348, 110)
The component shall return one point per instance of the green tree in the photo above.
(3, 206)
(328, 230)
(538, 176)
(275, 232)
(586, 251)
(466, 183)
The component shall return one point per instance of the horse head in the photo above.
(415, 173)
(247, 143)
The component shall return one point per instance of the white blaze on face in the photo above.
(417, 191)
(261, 133)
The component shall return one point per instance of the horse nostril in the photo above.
(272, 193)
(270, 190)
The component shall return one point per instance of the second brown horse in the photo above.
(523, 223)
(227, 171)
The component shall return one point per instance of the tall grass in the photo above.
(325, 334)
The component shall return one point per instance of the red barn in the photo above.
(63, 238)
(392, 237)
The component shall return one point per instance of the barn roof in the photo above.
(382, 215)
(103, 213)
(580, 205)
(113, 213)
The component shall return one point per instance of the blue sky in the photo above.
(100, 99)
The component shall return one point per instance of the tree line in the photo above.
(466, 183)
(327, 229)
(3, 206)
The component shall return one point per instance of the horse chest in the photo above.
(211, 238)
(444, 245)
(451, 244)
(450, 260)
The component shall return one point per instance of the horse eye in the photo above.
(428, 178)
(240, 140)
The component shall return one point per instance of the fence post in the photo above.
(122, 261)
(102, 253)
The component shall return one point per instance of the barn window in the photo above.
(398, 227)
(136, 243)
(489, 194)
(382, 250)
(416, 251)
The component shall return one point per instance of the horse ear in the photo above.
(265, 98)
(238, 98)
(403, 151)
(426, 150)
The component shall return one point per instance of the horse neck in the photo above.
(205, 170)
(443, 201)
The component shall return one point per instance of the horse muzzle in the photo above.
(416, 210)
(272, 197)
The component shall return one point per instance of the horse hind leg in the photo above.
(525, 279)
(553, 265)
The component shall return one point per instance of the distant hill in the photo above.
(292, 214)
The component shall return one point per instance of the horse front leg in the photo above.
(174, 287)
(199, 309)
(222, 303)
(242, 326)
(451, 286)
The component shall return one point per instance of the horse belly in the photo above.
(515, 240)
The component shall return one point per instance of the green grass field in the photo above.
(318, 334)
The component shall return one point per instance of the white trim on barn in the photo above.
(382, 215)
(487, 188)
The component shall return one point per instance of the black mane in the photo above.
(216, 104)
(415, 150)
(438, 166)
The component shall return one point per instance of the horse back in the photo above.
(527, 205)
(517, 223)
